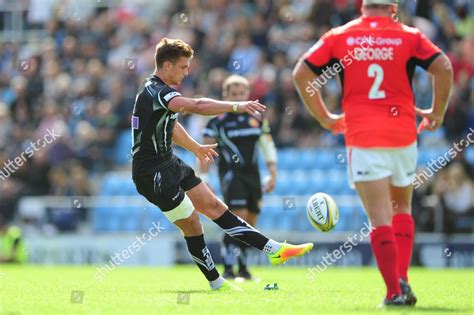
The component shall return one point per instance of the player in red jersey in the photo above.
(375, 57)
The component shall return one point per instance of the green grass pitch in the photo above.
(183, 290)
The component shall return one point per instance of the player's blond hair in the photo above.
(234, 79)
(171, 50)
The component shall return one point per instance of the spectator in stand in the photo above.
(457, 199)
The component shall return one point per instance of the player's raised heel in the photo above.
(410, 298)
(228, 274)
(288, 251)
(395, 300)
(244, 274)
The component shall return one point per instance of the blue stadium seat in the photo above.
(304, 225)
(114, 184)
(112, 223)
(283, 186)
(130, 217)
(289, 159)
(123, 148)
(469, 155)
(426, 154)
(307, 159)
(268, 218)
(345, 219)
(326, 159)
(116, 218)
(129, 189)
(347, 190)
(315, 185)
(263, 221)
(286, 220)
(99, 218)
(358, 219)
(300, 187)
(102, 217)
(301, 222)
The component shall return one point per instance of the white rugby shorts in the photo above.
(370, 164)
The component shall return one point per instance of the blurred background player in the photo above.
(172, 185)
(12, 247)
(238, 136)
(376, 56)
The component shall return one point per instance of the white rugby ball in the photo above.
(322, 212)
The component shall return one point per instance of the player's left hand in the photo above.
(431, 121)
(335, 123)
(269, 184)
(253, 108)
(206, 153)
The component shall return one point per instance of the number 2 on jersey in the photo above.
(376, 71)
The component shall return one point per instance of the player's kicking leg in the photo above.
(243, 271)
(233, 250)
(164, 190)
(375, 196)
(404, 228)
(208, 204)
(232, 245)
(187, 220)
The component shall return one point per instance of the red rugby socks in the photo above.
(385, 249)
(404, 229)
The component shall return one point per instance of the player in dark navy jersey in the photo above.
(171, 184)
(239, 137)
(152, 126)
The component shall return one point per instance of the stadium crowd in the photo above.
(78, 66)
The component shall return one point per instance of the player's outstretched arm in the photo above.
(302, 75)
(205, 153)
(442, 72)
(210, 107)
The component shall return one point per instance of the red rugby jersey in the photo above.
(375, 58)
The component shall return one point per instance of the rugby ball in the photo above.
(322, 212)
